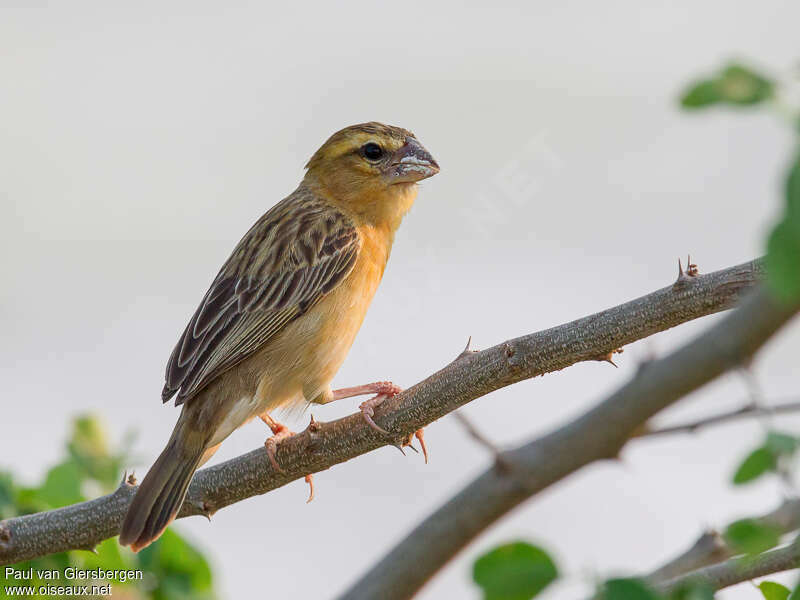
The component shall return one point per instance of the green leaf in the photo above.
(515, 571)
(627, 589)
(62, 486)
(736, 84)
(758, 462)
(773, 591)
(693, 590)
(792, 191)
(743, 86)
(751, 537)
(780, 444)
(8, 506)
(107, 556)
(181, 571)
(88, 447)
(795, 595)
(88, 436)
(700, 95)
(783, 245)
(783, 261)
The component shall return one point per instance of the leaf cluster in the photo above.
(172, 568)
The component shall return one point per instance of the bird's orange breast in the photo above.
(341, 314)
(301, 361)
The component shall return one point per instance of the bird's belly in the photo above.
(298, 364)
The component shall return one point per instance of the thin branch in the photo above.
(747, 411)
(598, 434)
(471, 376)
(737, 570)
(475, 433)
(711, 547)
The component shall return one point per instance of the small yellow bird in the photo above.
(279, 318)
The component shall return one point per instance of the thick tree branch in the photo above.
(598, 434)
(471, 376)
(737, 570)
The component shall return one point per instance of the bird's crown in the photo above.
(355, 136)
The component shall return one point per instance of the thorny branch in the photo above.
(596, 435)
(472, 375)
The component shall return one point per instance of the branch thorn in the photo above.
(608, 357)
(466, 351)
(313, 425)
(204, 509)
(685, 276)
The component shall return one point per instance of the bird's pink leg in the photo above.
(279, 432)
(382, 391)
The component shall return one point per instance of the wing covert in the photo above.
(296, 253)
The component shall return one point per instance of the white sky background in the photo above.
(140, 141)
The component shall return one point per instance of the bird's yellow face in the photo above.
(370, 167)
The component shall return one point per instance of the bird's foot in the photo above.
(368, 407)
(382, 391)
(280, 432)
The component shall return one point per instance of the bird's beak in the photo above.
(411, 163)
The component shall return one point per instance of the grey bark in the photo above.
(472, 375)
(737, 570)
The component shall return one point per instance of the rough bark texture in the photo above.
(471, 376)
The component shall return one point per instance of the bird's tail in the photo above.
(161, 492)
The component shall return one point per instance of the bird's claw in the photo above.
(382, 391)
(310, 481)
(271, 445)
(367, 409)
(279, 432)
(409, 442)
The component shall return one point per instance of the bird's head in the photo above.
(371, 166)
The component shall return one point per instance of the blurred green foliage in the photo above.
(172, 568)
(783, 246)
(738, 85)
(749, 536)
(778, 448)
(735, 85)
(514, 571)
(627, 589)
(637, 589)
(773, 591)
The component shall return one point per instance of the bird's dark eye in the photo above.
(372, 151)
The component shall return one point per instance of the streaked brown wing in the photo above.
(296, 253)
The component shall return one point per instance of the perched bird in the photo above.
(282, 313)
